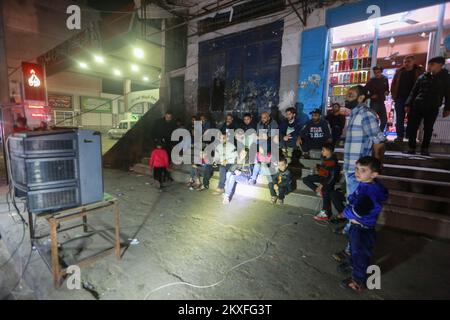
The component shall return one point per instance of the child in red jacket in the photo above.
(159, 162)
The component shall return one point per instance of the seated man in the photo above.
(314, 133)
(289, 133)
(336, 121)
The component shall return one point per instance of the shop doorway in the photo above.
(356, 48)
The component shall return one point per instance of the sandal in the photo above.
(273, 200)
(341, 256)
(351, 284)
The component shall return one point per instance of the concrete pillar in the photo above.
(4, 81)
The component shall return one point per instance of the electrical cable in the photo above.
(21, 276)
(268, 243)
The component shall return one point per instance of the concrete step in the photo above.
(434, 147)
(425, 187)
(416, 201)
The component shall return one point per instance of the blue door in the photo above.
(313, 67)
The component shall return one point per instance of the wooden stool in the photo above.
(55, 219)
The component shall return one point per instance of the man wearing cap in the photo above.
(314, 133)
(425, 100)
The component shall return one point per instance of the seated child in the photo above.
(364, 207)
(261, 166)
(238, 173)
(204, 170)
(281, 183)
(159, 163)
(323, 182)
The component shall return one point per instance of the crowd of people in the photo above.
(360, 204)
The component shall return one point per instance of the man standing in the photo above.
(378, 87)
(163, 129)
(425, 100)
(401, 87)
(363, 137)
(337, 122)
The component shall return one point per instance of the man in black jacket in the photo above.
(425, 100)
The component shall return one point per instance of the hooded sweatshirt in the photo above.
(316, 130)
(365, 204)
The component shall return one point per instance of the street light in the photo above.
(145, 78)
(117, 72)
(134, 68)
(83, 65)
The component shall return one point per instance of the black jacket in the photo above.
(429, 90)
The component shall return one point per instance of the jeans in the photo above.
(312, 181)
(400, 117)
(380, 109)
(417, 114)
(362, 241)
(282, 191)
(223, 175)
(351, 182)
(338, 200)
(263, 169)
(232, 181)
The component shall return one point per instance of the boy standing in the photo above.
(364, 207)
(281, 182)
(327, 175)
(159, 163)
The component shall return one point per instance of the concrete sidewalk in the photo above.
(193, 247)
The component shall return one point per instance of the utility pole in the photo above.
(4, 82)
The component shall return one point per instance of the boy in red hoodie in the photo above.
(159, 163)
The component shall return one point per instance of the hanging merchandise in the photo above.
(355, 53)
(339, 55)
(350, 53)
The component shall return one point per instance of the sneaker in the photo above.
(351, 284)
(218, 192)
(425, 152)
(252, 181)
(321, 216)
(273, 200)
(306, 155)
(226, 200)
(411, 151)
(319, 194)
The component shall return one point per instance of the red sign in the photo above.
(33, 82)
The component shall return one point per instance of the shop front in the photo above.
(342, 53)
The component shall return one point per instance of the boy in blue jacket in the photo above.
(363, 208)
